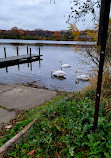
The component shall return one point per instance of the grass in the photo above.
(64, 127)
(22, 120)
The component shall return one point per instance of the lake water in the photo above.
(39, 73)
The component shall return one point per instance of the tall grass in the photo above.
(106, 86)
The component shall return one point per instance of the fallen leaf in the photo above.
(59, 144)
(16, 146)
(31, 153)
(58, 155)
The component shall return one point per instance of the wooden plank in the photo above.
(21, 57)
(9, 145)
(16, 62)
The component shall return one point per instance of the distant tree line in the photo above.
(38, 34)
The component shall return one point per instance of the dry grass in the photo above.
(106, 86)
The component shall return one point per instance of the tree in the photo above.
(15, 32)
(56, 35)
(21, 32)
(15, 28)
(83, 8)
(75, 31)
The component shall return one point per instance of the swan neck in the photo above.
(61, 63)
(52, 72)
(78, 73)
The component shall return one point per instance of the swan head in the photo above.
(61, 62)
(77, 71)
(52, 72)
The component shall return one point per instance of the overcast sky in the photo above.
(37, 14)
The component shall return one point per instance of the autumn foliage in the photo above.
(72, 34)
(75, 31)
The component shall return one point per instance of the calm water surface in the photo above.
(40, 72)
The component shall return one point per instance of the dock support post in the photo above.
(39, 64)
(31, 66)
(39, 51)
(27, 50)
(39, 54)
(30, 53)
(18, 67)
(7, 69)
(5, 52)
(17, 51)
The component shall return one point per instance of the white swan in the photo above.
(58, 73)
(65, 65)
(82, 77)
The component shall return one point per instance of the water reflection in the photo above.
(29, 64)
(7, 69)
(39, 72)
(58, 77)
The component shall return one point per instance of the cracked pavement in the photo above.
(14, 98)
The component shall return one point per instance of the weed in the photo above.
(64, 130)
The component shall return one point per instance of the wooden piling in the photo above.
(7, 69)
(18, 67)
(5, 52)
(39, 51)
(27, 50)
(39, 64)
(31, 66)
(17, 52)
(15, 60)
(30, 53)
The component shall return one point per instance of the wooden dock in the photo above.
(19, 59)
(14, 60)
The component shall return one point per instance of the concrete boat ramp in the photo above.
(14, 98)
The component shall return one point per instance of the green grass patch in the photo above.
(25, 118)
(64, 129)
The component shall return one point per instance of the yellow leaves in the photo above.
(73, 27)
(75, 31)
(96, 26)
(87, 34)
(92, 34)
(76, 48)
